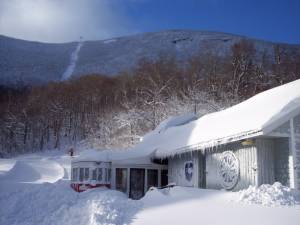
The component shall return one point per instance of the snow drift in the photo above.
(57, 203)
(270, 195)
(45, 201)
(34, 172)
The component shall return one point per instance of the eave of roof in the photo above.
(209, 145)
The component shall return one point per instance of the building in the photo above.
(132, 172)
(252, 143)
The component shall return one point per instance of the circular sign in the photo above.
(228, 170)
(188, 170)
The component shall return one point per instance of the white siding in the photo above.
(265, 161)
(176, 170)
(296, 148)
(281, 157)
(247, 159)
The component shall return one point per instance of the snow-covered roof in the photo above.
(130, 156)
(140, 154)
(258, 115)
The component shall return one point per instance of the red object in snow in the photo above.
(83, 187)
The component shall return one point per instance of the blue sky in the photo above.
(67, 20)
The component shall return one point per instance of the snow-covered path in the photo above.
(74, 57)
(194, 206)
(35, 189)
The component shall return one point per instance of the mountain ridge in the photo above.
(32, 63)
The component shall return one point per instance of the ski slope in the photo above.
(74, 57)
(35, 189)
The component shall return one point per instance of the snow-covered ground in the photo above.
(34, 189)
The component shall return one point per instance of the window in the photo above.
(86, 173)
(74, 174)
(121, 179)
(94, 175)
(106, 174)
(152, 178)
(109, 174)
(81, 171)
(99, 174)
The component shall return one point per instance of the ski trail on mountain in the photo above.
(74, 57)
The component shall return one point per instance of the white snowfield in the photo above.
(35, 190)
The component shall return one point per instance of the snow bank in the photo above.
(193, 206)
(269, 195)
(34, 171)
(57, 203)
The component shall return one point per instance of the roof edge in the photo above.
(280, 121)
(210, 144)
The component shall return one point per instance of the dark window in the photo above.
(94, 175)
(109, 174)
(73, 174)
(99, 174)
(81, 172)
(137, 179)
(164, 178)
(86, 173)
(106, 175)
(76, 174)
(152, 178)
(121, 179)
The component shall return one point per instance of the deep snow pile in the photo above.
(57, 203)
(269, 195)
(35, 189)
(193, 206)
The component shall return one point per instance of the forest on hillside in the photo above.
(114, 112)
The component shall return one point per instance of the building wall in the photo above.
(176, 169)
(247, 156)
(283, 130)
(281, 157)
(296, 147)
(265, 161)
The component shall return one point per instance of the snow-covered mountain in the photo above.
(25, 62)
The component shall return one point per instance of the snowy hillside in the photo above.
(24, 62)
(34, 189)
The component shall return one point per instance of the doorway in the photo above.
(202, 171)
(137, 183)
(164, 178)
(121, 179)
(152, 178)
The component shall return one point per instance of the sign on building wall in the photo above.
(228, 170)
(188, 170)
